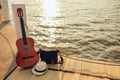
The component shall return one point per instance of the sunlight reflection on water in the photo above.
(50, 10)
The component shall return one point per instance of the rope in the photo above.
(84, 74)
(8, 43)
(110, 63)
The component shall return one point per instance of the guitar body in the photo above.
(26, 56)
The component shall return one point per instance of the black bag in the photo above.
(51, 57)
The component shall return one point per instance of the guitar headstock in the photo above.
(20, 12)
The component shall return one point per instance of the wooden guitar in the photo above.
(26, 56)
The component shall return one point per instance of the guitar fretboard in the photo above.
(23, 31)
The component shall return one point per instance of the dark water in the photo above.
(81, 28)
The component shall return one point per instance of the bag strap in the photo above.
(61, 58)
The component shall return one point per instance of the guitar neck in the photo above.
(23, 31)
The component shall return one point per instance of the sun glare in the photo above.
(50, 11)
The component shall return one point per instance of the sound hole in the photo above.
(26, 47)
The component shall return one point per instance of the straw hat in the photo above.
(40, 68)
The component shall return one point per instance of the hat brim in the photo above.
(38, 73)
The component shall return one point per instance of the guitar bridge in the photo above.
(27, 57)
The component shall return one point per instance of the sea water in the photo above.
(80, 28)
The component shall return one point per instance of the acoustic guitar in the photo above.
(26, 56)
